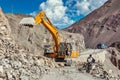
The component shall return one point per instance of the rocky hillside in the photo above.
(21, 49)
(34, 38)
(100, 26)
(19, 60)
(5, 30)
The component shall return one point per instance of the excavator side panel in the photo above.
(74, 54)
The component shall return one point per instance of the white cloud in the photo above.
(95, 4)
(56, 11)
(62, 14)
(33, 13)
(83, 7)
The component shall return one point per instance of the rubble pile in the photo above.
(114, 57)
(107, 69)
(98, 71)
(18, 64)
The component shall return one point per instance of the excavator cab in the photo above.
(65, 49)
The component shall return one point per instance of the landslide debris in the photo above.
(34, 38)
(106, 65)
(16, 62)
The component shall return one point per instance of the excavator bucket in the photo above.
(27, 21)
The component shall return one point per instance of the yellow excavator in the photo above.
(61, 50)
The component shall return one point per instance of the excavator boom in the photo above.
(61, 49)
(41, 18)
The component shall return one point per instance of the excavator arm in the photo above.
(41, 18)
(61, 49)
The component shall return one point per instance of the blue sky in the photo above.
(62, 13)
(20, 6)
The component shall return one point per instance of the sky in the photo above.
(62, 13)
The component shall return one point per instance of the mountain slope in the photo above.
(100, 26)
(34, 38)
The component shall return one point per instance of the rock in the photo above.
(39, 62)
(16, 64)
(23, 74)
(9, 76)
(1, 79)
(1, 69)
(24, 78)
(61, 64)
(110, 71)
(1, 55)
(2, 76)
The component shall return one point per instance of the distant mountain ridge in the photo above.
(100, 26)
